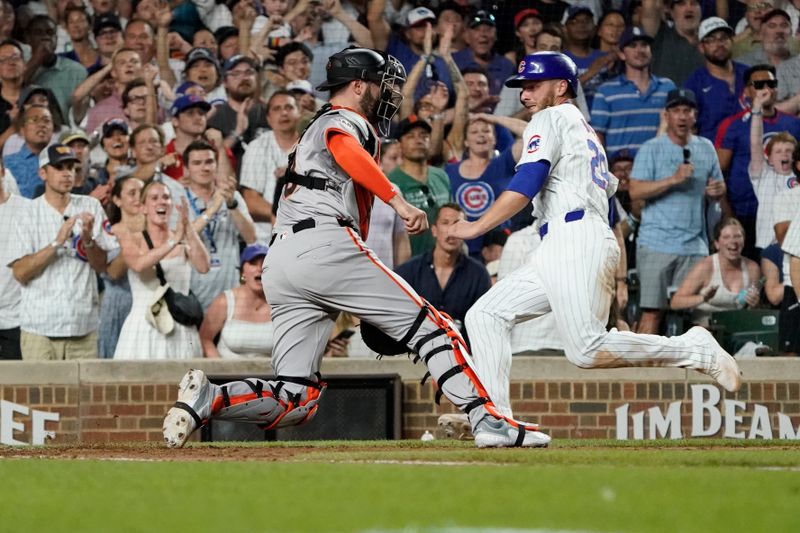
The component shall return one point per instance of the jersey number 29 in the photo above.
(599, 165)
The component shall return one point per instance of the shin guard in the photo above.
(270, 404)
(445, 353)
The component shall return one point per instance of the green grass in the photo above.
(667, 486)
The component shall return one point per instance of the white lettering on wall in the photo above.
(38, 419)
(707, 419)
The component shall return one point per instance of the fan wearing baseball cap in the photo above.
(107, 31)
(58, 248)
(114, 142)
(592, 63)
(241, 316)
(626, 110)
(240, 81)
(718, 84)
(202, 67)
(777, 40)
(481, 38)
(407, 45)
(527, 25)
(189, 121)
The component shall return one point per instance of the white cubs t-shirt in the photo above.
(769, 186)
(62, 301)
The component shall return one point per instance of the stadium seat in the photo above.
(734, 328)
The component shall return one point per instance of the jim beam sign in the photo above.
(8, 425)
(653, 423)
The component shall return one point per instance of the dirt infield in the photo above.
(155, 452)
(347, 451)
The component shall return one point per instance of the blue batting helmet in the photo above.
(546, 66)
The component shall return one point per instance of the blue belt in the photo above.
(572, 216)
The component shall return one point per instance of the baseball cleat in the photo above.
(724, 368)
(455, 426)
(190, 411)
(494, 433)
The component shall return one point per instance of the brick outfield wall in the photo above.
(565, 409)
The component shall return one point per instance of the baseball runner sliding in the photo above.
(564, 171)
(318, 265)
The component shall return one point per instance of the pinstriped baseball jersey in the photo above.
(343, 198)
(579, 176)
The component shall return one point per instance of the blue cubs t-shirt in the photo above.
(475, 196)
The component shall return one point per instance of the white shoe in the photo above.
(190, 411)
(495, 433)
(456, 426)
(724, 368)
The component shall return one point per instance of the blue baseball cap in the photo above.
(185, 86)
(253, 251)
(188, 101)
(232, 61)
(576, 10)
(633, 34)
(55, 154)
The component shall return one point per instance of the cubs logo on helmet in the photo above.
(534, 143)
(475, 198)
(546, 66)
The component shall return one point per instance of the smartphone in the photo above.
(346, 334)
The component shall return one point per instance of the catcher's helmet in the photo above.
(369, 65)
(546, 66)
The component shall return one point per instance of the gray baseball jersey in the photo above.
(343, 199)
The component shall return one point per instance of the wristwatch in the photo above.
(234, 204)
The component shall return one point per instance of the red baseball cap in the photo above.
(525, 13)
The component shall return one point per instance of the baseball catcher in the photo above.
(318, 266)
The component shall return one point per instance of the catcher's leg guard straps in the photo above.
(268, 403)
(423, 313)
(192, 412)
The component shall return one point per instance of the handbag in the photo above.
(184, 308)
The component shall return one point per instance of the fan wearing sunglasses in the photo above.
(733, 146)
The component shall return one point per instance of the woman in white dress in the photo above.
(178, 252)
(240, 316)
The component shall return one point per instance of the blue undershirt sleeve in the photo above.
(530, 178)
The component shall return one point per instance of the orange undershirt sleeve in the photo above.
(359, 165)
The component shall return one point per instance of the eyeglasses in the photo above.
(759, 6)
(242, 73)
(760, 84)
(14, 58)
(136, 99)
(38, 120)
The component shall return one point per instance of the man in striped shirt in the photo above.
(626, 109)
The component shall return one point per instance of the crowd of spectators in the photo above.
(144, 145)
